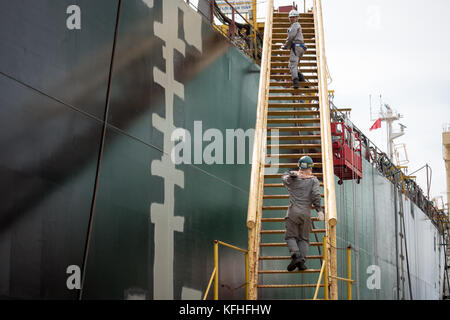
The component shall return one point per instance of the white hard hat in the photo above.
(293, 13)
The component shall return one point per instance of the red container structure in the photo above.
(347, 158)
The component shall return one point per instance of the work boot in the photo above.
(294, 262)
(301, 77)
(301, 266)
(296, 83)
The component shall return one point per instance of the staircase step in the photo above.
(284, 30)
(294, 146)
(285, 64)
(282, 219)
(301, 105)
(288, 84)
(286, 15)
(278, 20)
(293, 98)
(293, 120)
(306, 41)
(286, 53)
(295, 155)
(287, 71)
(288, 285)
(297, 137)
(285, 129)
(283, 244)
(276, 45)
(287, 257)
(287, 272)
(280, 185)
(284, 231)
(288, 165)
(294, 91)
(286, 58)
(288, 77)
(286, 25)
(283, 35)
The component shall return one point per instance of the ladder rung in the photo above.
(287, 272)
(284, 98)
(293, 113)
(288, 285)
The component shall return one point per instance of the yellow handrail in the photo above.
(318, 281)
(259, 157)
(327, 152)
(215, 273)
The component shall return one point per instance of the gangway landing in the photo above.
(291, 123)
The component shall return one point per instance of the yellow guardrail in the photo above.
(326, 276)
(215, 274)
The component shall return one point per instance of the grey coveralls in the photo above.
(303, 193)
(295, 37)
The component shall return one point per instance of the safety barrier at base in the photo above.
(215, 274)
(326, 276)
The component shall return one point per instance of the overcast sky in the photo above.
(399, 49)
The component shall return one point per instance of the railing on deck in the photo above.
(244, 36)
(259, 157)
(327, 151)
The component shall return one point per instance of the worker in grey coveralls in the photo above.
(304, 192)
(295, 43)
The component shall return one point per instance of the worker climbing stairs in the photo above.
(291, 123)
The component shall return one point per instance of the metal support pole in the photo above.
(211, 11)
(349, 272)
(216, 266)
(325, 269)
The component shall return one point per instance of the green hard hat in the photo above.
(305, 162)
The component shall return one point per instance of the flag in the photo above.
(376, 125)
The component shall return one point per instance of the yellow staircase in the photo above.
(291, 123)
